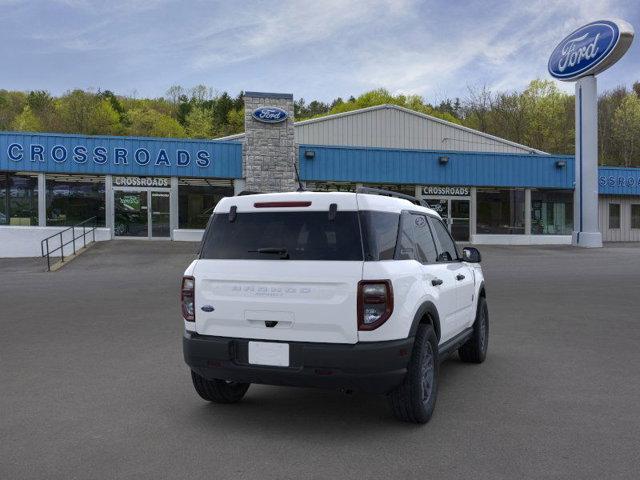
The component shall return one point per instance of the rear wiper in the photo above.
(284, 254)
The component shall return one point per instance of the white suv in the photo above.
(355, 291)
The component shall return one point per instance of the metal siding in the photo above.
(225, 157)
(393, 128)
(381, 165)
(625, 233)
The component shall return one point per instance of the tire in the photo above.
(475, 349)
(415, 400)
(219, 391)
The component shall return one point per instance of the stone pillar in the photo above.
(239, 185)
(269, 150)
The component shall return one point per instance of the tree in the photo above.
(220, 111)
(201, 93)
(609, 151)
(235, 121)
(104, 120)
(382, 96)
(625, 128)
(11, 105)
(75, 109)
(547, 128)
(478, 107)
(43, 105)
(147, 122)
(27, 121)
(174, 93)
(198, 123)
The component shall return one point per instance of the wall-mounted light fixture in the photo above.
(309, 154)
(443, 160)
(561, 164)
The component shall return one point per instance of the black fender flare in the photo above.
(481, 290)
(427, 308)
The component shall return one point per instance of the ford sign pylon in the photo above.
(584, 53)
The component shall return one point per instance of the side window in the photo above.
(425, 246)
(406, 242)
(380, 232)
(447, 251)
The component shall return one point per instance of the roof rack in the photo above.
(389, 193)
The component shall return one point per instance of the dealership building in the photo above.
(489, 190)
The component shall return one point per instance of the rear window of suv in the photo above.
(302, 236)
(283, 235)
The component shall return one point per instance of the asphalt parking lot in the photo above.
(93, 384)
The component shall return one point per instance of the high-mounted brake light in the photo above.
(187, 298)
(281, 204)
(375, 303)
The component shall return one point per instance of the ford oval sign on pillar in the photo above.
(584, 53)
(270, 114)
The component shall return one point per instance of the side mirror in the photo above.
(471, 255)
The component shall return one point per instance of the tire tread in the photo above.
(218, 391)
(404, 399)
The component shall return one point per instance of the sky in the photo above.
(318, 49)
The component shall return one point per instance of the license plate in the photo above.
(269, 353)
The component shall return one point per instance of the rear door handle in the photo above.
(436, 281)
(459, 277)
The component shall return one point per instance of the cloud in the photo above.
(289, 25)
(317, 49)
(503, 51)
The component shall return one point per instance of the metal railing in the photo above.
(88, 227)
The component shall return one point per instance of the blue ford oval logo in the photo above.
(581, 52)
(270, 114)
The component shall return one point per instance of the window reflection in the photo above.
(500, 211)
(74, 199)
(197, 198)
(551, 212)
(18, 199)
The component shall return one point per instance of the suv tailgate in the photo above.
(305, 301)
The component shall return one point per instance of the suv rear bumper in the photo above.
(374, 367)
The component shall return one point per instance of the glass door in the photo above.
(441, 206)
(160, 226)
(459, 220)
(131, 214)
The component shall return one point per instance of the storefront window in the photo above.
(18, 199)
(73, 199)
(635, 215)
(551, 212)
(614, 215)
(500, 211)
(197, 199)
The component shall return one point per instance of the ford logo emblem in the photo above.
(270, 114)
(590, 49)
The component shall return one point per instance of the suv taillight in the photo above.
(187, 298)
(375, 303)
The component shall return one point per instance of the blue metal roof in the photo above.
(380, 165)
(58, 153)
(619, 181)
